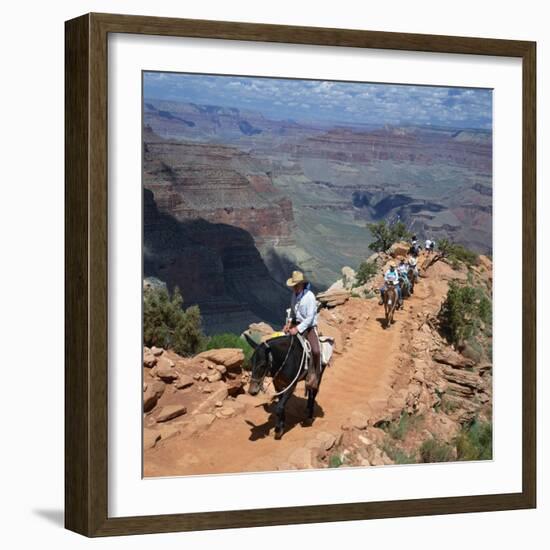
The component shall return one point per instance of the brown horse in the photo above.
(390, 303)
(412, 279)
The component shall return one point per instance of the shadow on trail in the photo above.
(296, 413)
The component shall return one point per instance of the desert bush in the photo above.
(436, 451)
(167, 325)
(385, 234)
(464, 309)
(365, 272)
(399, 429)
(457, 253)
(335, 461)
(475, 442)
(230, 340)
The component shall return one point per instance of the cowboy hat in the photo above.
(297, 278)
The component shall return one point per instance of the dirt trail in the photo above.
(360, 379)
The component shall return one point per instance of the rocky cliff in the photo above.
(215, 265)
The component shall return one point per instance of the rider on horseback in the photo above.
(303, 320)
(402, 270)
(413, 265)
(391, 277)
(415, 247)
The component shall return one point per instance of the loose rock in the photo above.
(170, 411)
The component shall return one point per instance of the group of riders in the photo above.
(404, 275)
(285, 362)
(302, 315)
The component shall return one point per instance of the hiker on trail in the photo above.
(432, 246)
(402, 270)
(391, 277)
(413, 265)
(428, 246)
(414, 250)
(303, 320)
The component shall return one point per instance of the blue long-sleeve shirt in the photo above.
(304, 307)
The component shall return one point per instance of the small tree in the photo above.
(166, 324)
(386, 234)
(463, 310)
(365, 272)
(456, 253)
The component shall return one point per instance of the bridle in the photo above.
(260, 381)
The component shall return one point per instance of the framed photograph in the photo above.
(300, 280)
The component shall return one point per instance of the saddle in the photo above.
(326, 345)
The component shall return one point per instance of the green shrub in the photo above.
(365, 272)
(464, 309)
(230, 340)
(385, 234)
(399, 429)
(167, 325)
(335, 461)
(435, 451)
(475, 442)
(457, 253)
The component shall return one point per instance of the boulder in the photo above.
(165, 370)
(152, 394)
(157, 351)
(452, 358)
(230, 358)
(184, 381)
(214, 377)
(333, 298)
(149, 359)
(170, 411)
(397, 250)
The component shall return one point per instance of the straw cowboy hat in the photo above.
(297, 278)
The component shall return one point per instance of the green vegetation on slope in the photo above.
(456, 253)
(465, 309)
(365, 272)
(167, 325)
(385, 234)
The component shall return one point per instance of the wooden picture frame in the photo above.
(86, 281)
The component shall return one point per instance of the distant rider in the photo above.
(428, 246)
(303, 320)
(415, 249)
(391, 277)
(414, 267)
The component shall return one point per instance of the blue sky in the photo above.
(328, 101)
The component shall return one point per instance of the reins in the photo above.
(302, 361)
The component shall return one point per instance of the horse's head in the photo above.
(260, 362)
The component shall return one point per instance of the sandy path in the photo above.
(361, 377)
